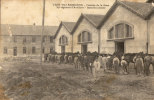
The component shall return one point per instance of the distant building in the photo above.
(25, 40)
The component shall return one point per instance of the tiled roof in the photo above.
(143, 10)
(94, 18)
(68, 25)
(27, 30)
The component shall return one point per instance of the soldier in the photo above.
(65, 58)
(96, 66)
(80, 61)
(147, 62)
(100, 60)
(70, 59)
(104, 62)
(86, 67)
(134, 60)
(116, 64)
(109, 62)
(124, 65)
(139, 64)
(76, 62)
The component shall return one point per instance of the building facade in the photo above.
(128, 29)
(63, 38)
(25, 40)
(85, 33)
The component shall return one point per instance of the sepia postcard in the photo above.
(77, 50)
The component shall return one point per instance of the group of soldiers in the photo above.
(93, 62)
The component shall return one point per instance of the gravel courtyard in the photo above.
(32, 81)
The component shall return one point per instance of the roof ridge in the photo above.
(68, 28)
(28, 25)
(92, 14)
(130, 7)
(90, 20)
(134, 2)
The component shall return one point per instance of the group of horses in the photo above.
(85, 61)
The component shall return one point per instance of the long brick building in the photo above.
(25, 40)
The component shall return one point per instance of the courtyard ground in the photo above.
(32, 81)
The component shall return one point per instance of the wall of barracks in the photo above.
(139, 29)
(85, 25)
(63, 32)
(25, 45)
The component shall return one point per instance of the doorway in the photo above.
(84, 49)
(15, 51)
(62, 49)
(120, 47)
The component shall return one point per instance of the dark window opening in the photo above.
(5, 50)
(33, 39)
(33, 50)
(24, 50)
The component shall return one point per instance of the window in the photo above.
(63, 40)
(24, 40)
(33, 39)
(5, 50)
(60, 41)
(89, 37)
(51, 39)
(84, 37)
(24, 50)
(111, 35)
(79, 38)
(43, 40)
(14, 39)
(43, 50)
(128, 31)
(33, 50)
(120, 31)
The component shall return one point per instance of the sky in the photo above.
(28, 12)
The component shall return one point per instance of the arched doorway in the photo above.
(119, 33)
(84, 38)
(63, 41)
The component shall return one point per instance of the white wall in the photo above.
(63, 31)
(85, 26)
(137, 44)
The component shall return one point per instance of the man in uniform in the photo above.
(147, 62)
(116, 64)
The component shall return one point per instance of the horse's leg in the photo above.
(128, 68)
(153, 67)
(145, 68)
(135, 67)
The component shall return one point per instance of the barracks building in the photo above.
(127, 27)
(25, 40)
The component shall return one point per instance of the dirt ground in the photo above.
(32, 81)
